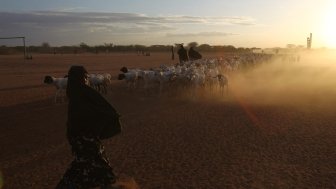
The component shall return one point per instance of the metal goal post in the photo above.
(24, 43)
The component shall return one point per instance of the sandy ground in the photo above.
(253, 137)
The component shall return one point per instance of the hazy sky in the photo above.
(242, 23)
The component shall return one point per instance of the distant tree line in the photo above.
(46, 48)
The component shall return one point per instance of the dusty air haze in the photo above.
(274, 128)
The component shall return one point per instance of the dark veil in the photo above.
(76, 81)
(89, 113)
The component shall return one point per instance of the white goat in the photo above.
(60, 84)
(130, 78)
(133, 77)
(107, 78)
(98, 82)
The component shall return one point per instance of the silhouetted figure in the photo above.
(194, 55)
(183, 56)
(90, 119)
(172, 51)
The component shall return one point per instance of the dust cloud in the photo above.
(310, 81)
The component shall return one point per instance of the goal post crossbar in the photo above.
(11, 37)
(24, 43)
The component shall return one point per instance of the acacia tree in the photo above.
(205, 47)
(84, 47)
(193, 44)
(45, 47)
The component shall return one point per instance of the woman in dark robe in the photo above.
(194, 55)
(90, 119)
(183, 56)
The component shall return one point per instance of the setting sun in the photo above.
(328, 27)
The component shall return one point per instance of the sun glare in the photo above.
(329, 27)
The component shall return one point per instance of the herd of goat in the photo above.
(210, 74)
(189, 76)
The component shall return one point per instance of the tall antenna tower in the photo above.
(309, 41)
